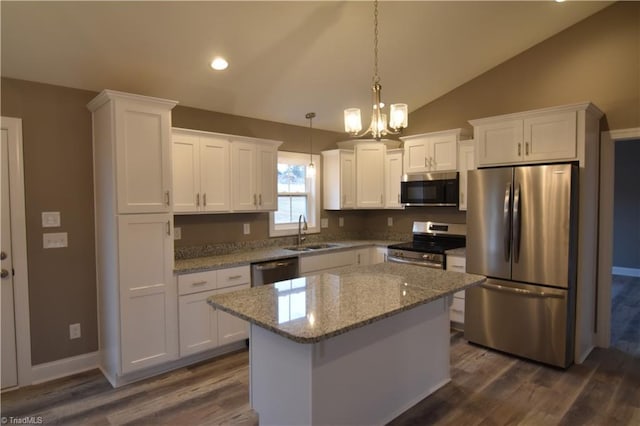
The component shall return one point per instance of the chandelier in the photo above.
(378, 128)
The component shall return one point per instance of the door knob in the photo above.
(4, 273)
(3, 255)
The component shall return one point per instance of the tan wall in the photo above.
(596, 60)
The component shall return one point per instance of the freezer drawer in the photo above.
(524, 320)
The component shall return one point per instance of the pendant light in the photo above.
(399, 113)
(311, 168)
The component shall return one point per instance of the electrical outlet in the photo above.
(50, 219)
(246, 228)
(324, 222)
(341, 222)
(177, 233)
(74, 331)
(389, 221)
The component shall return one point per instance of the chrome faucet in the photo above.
(301, 228)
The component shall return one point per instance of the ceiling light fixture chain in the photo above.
(378, 128)
(311, 168)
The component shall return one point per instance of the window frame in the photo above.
(313, 197)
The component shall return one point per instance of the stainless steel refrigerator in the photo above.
(522, 234)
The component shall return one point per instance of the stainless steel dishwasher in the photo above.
(273, 271)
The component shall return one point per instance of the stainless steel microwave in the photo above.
(430, 189)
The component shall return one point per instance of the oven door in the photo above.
(430, 189)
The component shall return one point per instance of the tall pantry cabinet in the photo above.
(137, 295)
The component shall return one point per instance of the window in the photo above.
(297, 195)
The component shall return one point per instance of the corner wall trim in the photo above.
(627, 272)
(64, 367)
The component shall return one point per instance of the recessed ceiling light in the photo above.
(559, 1)
(219, 63)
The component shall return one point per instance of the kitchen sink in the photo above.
(311, 247)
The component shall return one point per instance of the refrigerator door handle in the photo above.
(516, 224)
(506, 220)
(520, 291)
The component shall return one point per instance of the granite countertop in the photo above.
(315, 308)
(246, 257)
(462, 252)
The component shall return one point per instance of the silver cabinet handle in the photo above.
(398, 198)
(234, 277)
(426, 162)
(519, 149)
(255, 200)
(204, 199)
(526, 148)
(198, 199)
(199, 283)
(260, 199)
(168, 227)
(167, 198)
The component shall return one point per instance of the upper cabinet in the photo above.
(201, 178)
(545, 135)
(132, 133)
(339, 179)
(431, 152)
(393, 176)
(254, 174)
(370, 180)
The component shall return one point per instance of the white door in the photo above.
(214, 174)
(347, 180)
(198, 323)
(500, 143)
(243, 165)
(416, 156)
(443, 153)
(148, 294)
(186, 173)
(550, 137)
(393, 174)
(9, 359)
(267, 182)
(370, 175)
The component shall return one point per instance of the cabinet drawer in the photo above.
(234, 276)
(321, 262)
(456, 312)
(197, 281)
(456, 264)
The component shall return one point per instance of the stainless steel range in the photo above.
(430, 241)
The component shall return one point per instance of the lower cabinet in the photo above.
(201, 326)
(325, 262)
(456, 312)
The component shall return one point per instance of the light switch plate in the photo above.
(54, 240)
(50, 219)
(177, 233)
(389, 221)
(246, 228)
(341, 221)
(324, 222)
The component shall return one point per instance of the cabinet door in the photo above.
(363, 256)
(230, 328)
(550, 137)
(347, 180)
(393, 176)
(466, 162)
(214, 174)
(244, 170)
(198, 323)
(143, 151)
(370, 175)
(186, 173)
(148, 294)
(415, 156)
(267, 178)
(500, 143)
(442, 150)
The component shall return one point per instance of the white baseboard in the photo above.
(627, 272)
(63, 367)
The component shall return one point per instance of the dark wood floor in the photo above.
(487, 388)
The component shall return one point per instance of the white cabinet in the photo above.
(137, 130)
(432, 152)
(530, 137)
(137, 295)
(466, 162)
(363, 256)
(203, 327)
(393, 177)
(201, 172)
(370, 181)
(339, 179)
(378, 255)
(456, 312)
(254, 175)
(322, 262)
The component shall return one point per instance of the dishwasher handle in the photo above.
(273, 265)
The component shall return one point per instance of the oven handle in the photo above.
(393, 259)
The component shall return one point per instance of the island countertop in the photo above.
(315, 308)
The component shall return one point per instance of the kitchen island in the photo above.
(358, 346)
